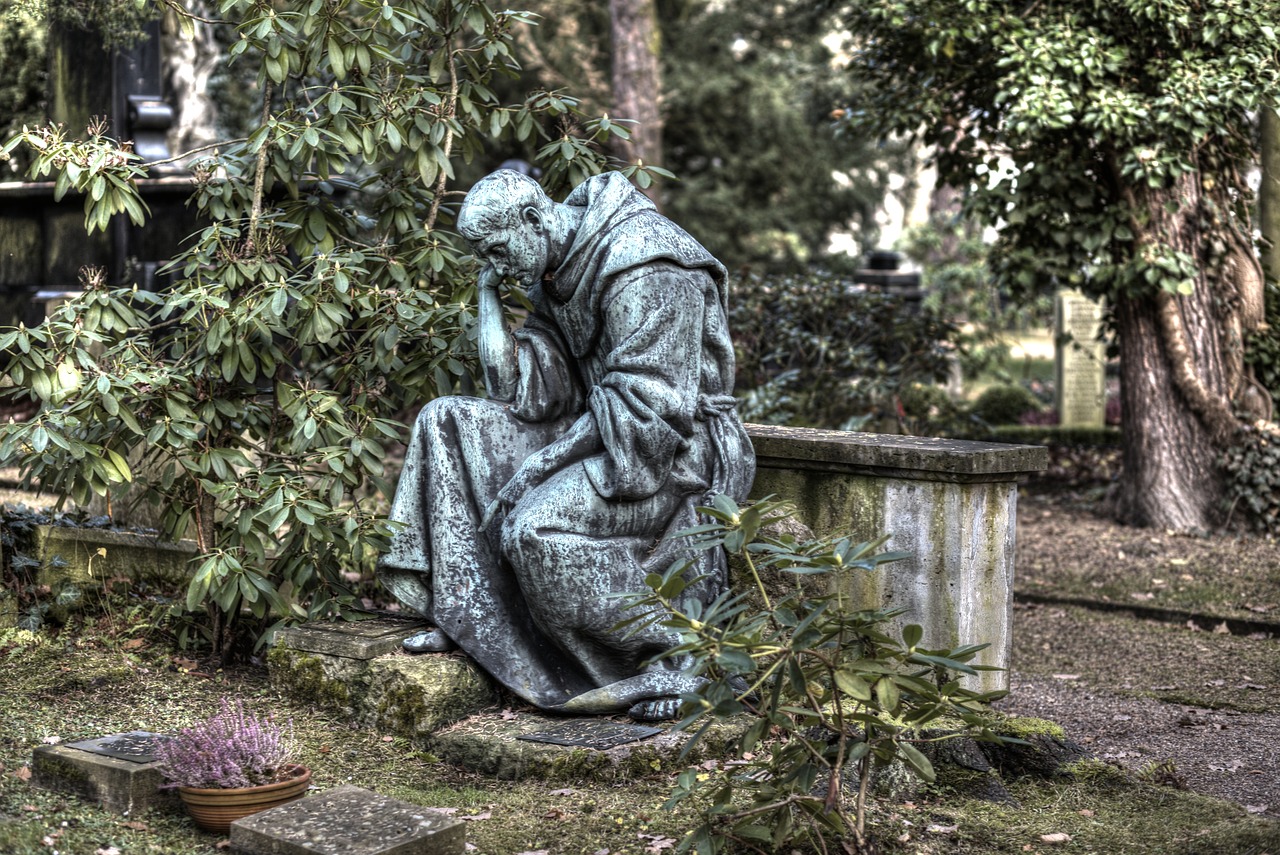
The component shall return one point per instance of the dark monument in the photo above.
(43, 244)
(611, 417)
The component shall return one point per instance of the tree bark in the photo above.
(1269, 192)
(1181, 363)
(637, 80)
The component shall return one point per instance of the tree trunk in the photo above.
(190, 59)
(1170, 478)
(1269, 192)
(637, 79)
(1181, 361)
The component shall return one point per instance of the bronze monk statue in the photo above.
(610, 417)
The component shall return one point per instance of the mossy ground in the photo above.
(97, 680)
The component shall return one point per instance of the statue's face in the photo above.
(518, 250)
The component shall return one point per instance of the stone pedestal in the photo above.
(326, 663)
(950, 504)
(348, 820)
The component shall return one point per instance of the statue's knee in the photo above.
(520, 539)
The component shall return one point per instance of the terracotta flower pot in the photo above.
(214, 810)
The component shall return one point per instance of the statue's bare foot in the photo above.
(655, 709)
(429, 641)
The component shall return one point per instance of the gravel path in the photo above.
(1225, 753)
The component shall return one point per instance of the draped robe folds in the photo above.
(629, 334)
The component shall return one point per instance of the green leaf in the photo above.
(917, 761)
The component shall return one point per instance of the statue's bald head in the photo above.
(497, 201)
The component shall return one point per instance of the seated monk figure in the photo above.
(610, 418)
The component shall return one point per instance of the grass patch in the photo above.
(78, 685)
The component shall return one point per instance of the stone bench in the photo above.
(949, 503)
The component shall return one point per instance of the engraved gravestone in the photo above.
(118, 771)
(1080, 363)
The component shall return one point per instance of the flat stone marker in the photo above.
(349, 820)
(118, 771)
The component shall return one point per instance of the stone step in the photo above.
(442, 703)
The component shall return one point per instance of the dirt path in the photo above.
(1140, 692)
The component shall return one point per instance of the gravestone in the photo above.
(349, 820)
(118, 771)
(1080, 361)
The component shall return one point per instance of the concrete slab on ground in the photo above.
(349, 820)
(120, 785)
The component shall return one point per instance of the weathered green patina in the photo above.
(950, 504)
(610, 419)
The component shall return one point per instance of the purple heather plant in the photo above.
(233, 748)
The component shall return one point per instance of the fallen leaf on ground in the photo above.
(556, 813)
(23, 773)
(183, 664)
(30, 808)
(136, 825)
(484, 814)
(564, 792)
(658, 844)
(134, 643)
(943, 829)
(1138, 596)
(1056, 837)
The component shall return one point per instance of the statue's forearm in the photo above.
(497, 347)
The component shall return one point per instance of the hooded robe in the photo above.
(629, 334)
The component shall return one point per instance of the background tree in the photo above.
(1109, 142)
(635, 41)
(747, 101)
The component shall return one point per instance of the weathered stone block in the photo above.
(348, 820)
(949, 503)
(326, 663)
(116, 784)
(415, 696)
(490, 743)
(132, 556)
